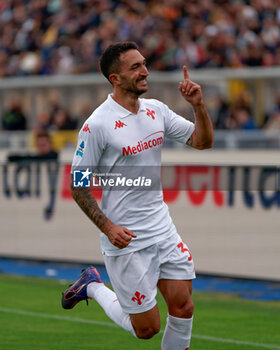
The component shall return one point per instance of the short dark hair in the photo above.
(42, 133)
(110, 59)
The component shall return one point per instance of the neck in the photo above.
(128, 101)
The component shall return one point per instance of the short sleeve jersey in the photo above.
(114, 137)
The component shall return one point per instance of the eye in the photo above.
(134, 67)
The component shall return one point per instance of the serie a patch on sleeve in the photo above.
(80, 149)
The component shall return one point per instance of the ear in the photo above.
(114, 78)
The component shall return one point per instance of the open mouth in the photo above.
(142, 82)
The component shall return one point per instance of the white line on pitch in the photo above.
(57, 317)
(110, 324)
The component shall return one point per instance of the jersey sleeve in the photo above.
(90, 146)
(177, 128)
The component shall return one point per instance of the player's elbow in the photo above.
(201, 141)
(210, 140)
(205, 145)
(210, 143)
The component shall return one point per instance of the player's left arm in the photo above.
(203, 135)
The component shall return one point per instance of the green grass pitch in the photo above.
(31, 317)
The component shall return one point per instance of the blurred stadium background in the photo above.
(49, 84)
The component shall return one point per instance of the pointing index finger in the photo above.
(186, 74)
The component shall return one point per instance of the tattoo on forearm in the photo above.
(89, 205)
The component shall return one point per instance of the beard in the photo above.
(132, 87)
(136, 92)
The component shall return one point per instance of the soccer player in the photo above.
(141, 247)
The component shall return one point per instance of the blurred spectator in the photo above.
(237, 115)
(273, 118)
(243, 100)
(277, 103)
(30, 63)
(85, 111)
(14, 118)
(62, 37)
(62, 127)
(270, 33)
(43, 149)
(44, 154)
(44, 121)
(241, 119)
(222, 115)
(54, 103)
(273, 122)
(65, 61)
(62, 120)
(43, 146)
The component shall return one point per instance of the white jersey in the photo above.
(114, 138)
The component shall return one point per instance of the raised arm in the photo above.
(119, 236)
(203, 135)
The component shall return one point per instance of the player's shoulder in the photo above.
(98, 117)
(152, 102)
(156, 105)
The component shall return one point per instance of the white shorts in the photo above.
(135, 276)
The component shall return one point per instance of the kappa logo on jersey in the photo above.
(150, 113)
(86, 128)
(138, 297)
(81, 178)
(183, 250)
(119, 124)
(80, 150)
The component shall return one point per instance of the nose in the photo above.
(145, 71)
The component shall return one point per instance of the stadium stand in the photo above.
(62, 37)
(65, 38)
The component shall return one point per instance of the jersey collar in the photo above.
(122, 112)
